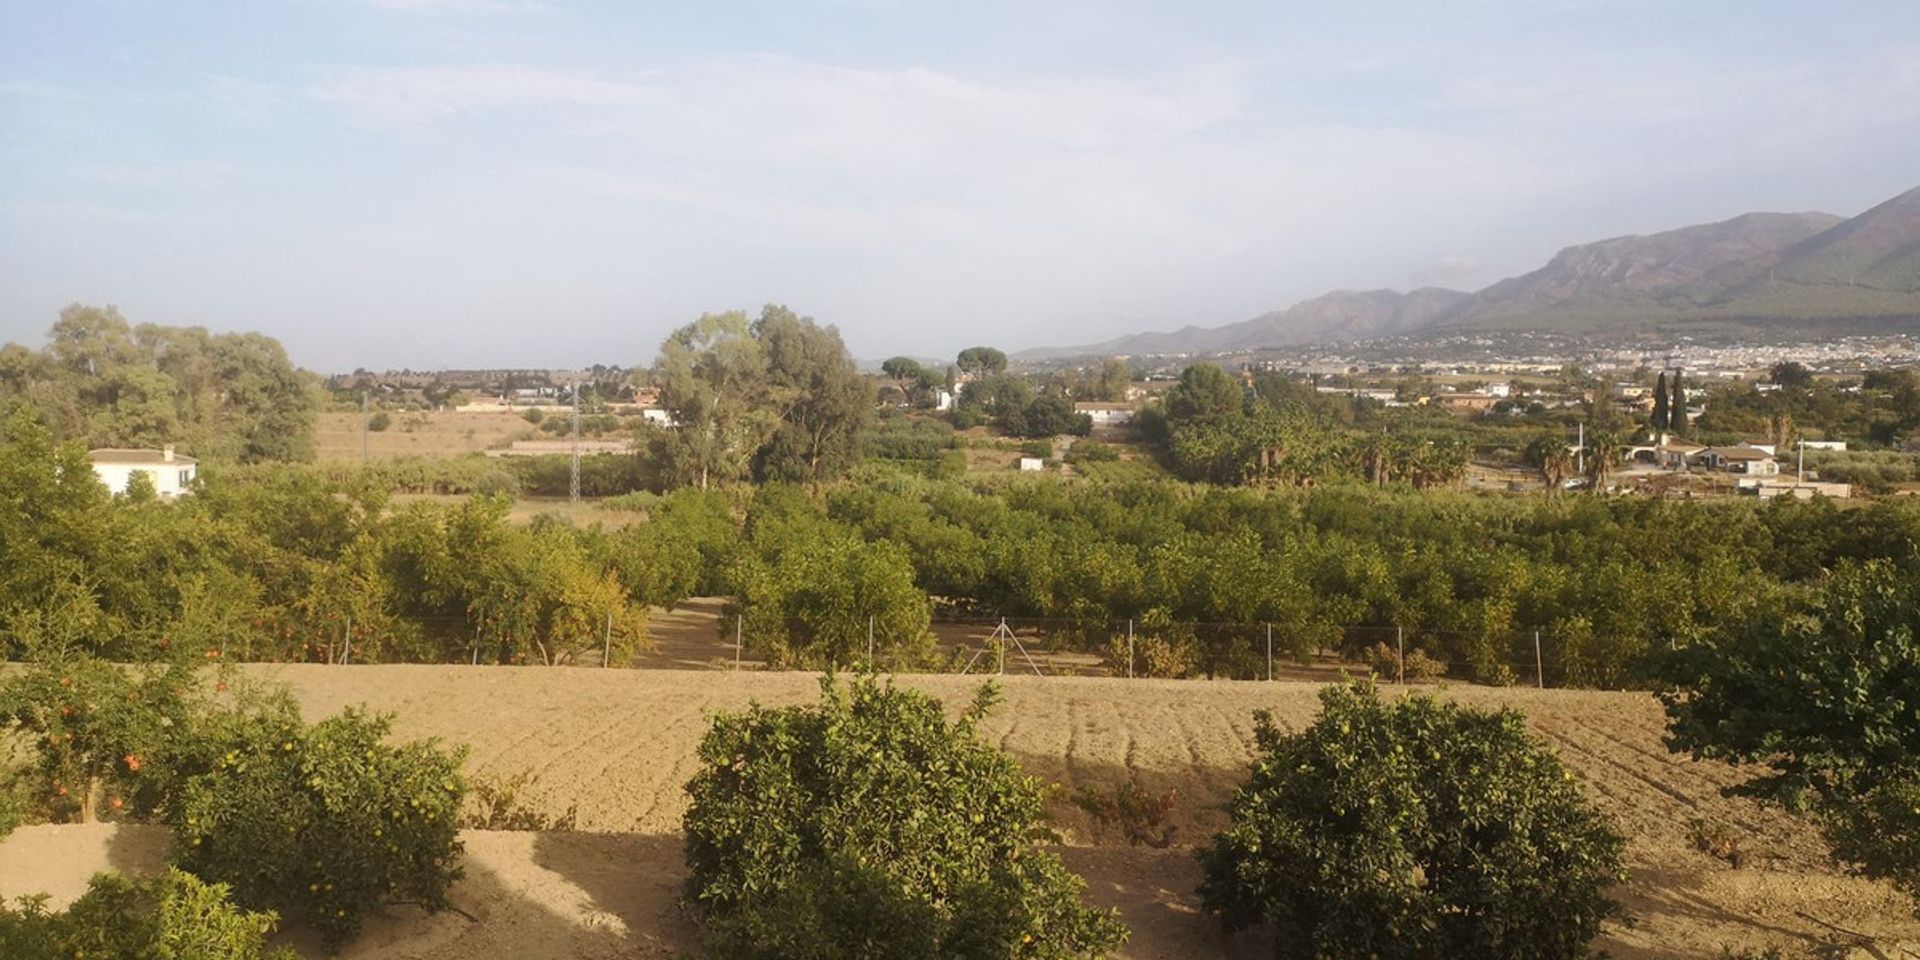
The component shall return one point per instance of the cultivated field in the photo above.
(439, 434)
(615, 746)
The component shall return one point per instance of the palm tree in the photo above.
(1550, 456)
(1375, 453)
(1603, 454)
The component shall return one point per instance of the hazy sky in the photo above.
(437, 183)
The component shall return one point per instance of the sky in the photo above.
(464, 183)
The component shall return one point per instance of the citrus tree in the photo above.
(320, 823)
(868, 826)
(1412, 830)
(1821, 699)
(170, 917)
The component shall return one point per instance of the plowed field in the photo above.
(616, 746)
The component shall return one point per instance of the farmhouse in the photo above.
(1106, 414)
(1668, 452)
(171, 474)
(1744, 459)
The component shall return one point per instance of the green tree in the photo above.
(909, 376)
(1549, 456)
(1662, 405)
(320, 823)
(1677, 410)
(712, 375)
(1416, 829)
(824, 403)
(981, 361)
(867, 826)
(170, 917)
(1205, 392)
(1818, 697)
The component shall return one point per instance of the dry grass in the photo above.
(444, 434)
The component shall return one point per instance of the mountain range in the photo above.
(1755, 269)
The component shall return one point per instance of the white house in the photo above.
(1501, 390)
(1106, 414)
(1837, 445)
(172, 475)
(942, 398)
(1032, 463)
(657, 416)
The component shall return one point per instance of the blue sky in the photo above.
(435, 183)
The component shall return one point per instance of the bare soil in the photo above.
(616, 747)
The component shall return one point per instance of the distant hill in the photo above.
(1754, 268)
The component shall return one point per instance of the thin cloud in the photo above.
(420, 94)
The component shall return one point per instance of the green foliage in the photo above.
(320, 823)
(229, 396)
(981, 361)
(811, 595)
(1413, 829)
(380, 421)
(102, 735)
(170, 917)
(533, 415)
(868, 826)
(1820, 699)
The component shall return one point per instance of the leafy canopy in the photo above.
(1823, 701)
(1414, 830)
(868, 826)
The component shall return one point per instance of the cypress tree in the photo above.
(1660, 407)
(1677, 412)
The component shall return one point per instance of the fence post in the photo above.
(346, 642)
(737, 620)
(1539, 665)
(1400, 644)
(869, 641)
(1129, 648)
(1269, 653)
(606, 643)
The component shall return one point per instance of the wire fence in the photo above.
(714, 637)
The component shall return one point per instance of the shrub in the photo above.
(321, 823)
(1412, 830)
(867, 826)
(533, 415)
(1037, 448)
(170, 917)
(1092, 451)
(1384, 659)
(100, 733)
(1141, 816)
(495, 804)
(379, 421)
(1813, 697)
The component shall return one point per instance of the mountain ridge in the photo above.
(1760, 266)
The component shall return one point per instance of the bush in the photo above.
(533, 415)
(321, 823)
(1412, 830)
(1141, 816)
(379, 421)
(1037, 448)
(1092, 451)
(1819, 698)
(100, 733)
(867, 826)
(170, 917)
(1384, 658)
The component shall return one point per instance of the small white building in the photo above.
(657, 416)
(1032, 463)
(1106, 414)
(942, 399)
(1501, 390)
(1835, 445)
(172, 475)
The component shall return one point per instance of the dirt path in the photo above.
(616, 746)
